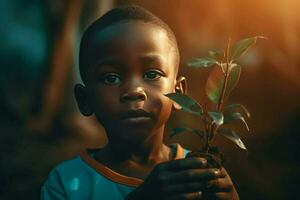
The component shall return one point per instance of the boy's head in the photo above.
(128, 59)
(89, 51)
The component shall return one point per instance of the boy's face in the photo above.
(133, 65)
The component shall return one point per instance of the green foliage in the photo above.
(216, 55)
(231, 135)
(232, 116)
(187, 103)
(222, 79)
(216, 80)
(178, 130)
(241, 47)
(202, 62)
(217, 117)
(236, 107)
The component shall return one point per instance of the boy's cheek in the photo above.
(160, 90)
(103, 106)
(161, 106)
(103, 96)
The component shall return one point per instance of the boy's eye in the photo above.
(152, 75)
(111, 79)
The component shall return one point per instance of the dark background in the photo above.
(41, 126)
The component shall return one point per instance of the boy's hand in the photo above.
(182, 179)
(220, 188)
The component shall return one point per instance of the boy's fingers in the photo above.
(218, 196)
(223, 183)
(193, 175)
(183, 187)
(187, 196)
(219, 185)
(186, 163)
(222, 195)
(222, 173)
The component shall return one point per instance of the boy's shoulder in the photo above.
(62, 178)
(69, 166)
(75, 179)
(66, 171)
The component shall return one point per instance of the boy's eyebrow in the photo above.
(149, 58)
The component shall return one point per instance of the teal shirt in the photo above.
(84, 178)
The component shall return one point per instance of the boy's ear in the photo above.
(81, 96)
(180, 87)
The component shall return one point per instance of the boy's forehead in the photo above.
(129, 33)
(130, 37)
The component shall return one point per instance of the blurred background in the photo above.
(40, 124)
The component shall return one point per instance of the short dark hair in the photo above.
(116, 15)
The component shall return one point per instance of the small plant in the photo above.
(222, 79)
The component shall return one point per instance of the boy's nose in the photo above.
(136, 94)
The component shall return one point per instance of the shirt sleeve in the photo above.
(52, 188)
(48, 193)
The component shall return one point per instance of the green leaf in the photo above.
(202, 62)
(179, 130)
(234, 107)
(187, 103)
(241, 47)
(216, 54)
(214, 84)
(231, 135)
(229, 117)
(217, 117)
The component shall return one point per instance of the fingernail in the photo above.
(203, 161)
(216, 172)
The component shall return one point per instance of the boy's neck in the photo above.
(151, 151)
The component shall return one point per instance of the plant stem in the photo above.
(213, 127)
(221, 101)
(210, 127)
(206, 126)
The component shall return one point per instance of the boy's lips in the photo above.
(136, 116)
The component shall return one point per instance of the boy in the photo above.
(128, 60)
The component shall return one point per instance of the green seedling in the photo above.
(223, 78)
